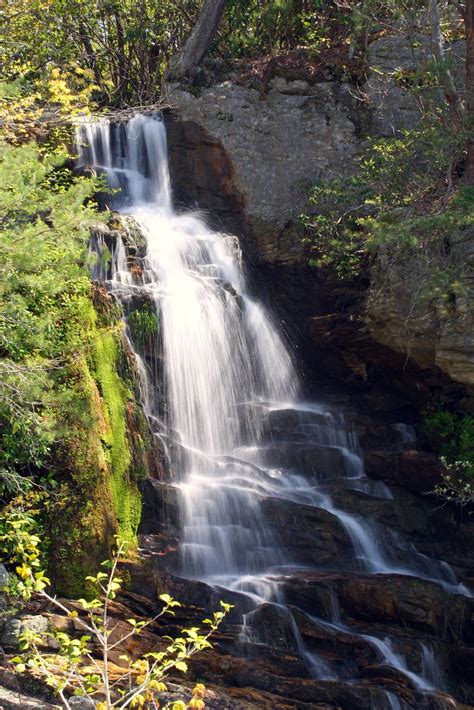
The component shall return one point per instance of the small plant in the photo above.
(451, 436)
(80, 662)
(458, 483)
(143, 323)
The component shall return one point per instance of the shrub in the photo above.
(79, 662)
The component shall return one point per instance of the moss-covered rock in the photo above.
(104, 454)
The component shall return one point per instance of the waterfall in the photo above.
(228, 383)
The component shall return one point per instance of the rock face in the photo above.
(277, 146)
(249, 157)
(329, 607)
(392, 58)
(434, 334)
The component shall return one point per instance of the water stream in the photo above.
(227, 386)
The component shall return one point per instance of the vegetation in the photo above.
(413, 191)
(399, 198)
(44, 304)
(72, 440)
(116, 53)
(144, 326)
(451, 435)
(80, 663)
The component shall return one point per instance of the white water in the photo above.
(430, 672)
(227, 375)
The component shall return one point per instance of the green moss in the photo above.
(117, 398)
(105, 447)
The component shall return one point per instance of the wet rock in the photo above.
(336, 694)
(416, 471)
(387, 599)
(380, 435)
(407, 601)
(149, 580)
(345, 653)
(161, 509)
(403, 513)
(310, 459)
(309, 534)
(281, 422)
(273, 625)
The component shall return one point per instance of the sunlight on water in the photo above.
(231, 397)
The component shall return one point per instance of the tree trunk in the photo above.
(469, 25)
(199, 40)
(444, 75)
(122, 79)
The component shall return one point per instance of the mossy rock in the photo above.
(106, 452)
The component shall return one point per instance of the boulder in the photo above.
(12, 628)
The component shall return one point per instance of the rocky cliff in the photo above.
(251, 154)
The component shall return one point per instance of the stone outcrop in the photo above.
(436, 332)
(249, 156)
(277, 146)
(392, 59)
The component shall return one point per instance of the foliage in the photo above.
(254, 27)
(113, 52)
(458, 483)
(80, 662)
(398, 197)
(110, 53)
(69, 426)
(403, 194)
(143, 323)
(44, 290)
(20, 545)
(451, 435)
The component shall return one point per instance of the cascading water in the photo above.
(228, 380)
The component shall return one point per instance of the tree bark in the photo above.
(469, 26)
(445, 77)
(466, 11)
(199, 40)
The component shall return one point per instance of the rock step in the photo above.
(312, 460)
(281, 421)
(387, 599)
(407, 610)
